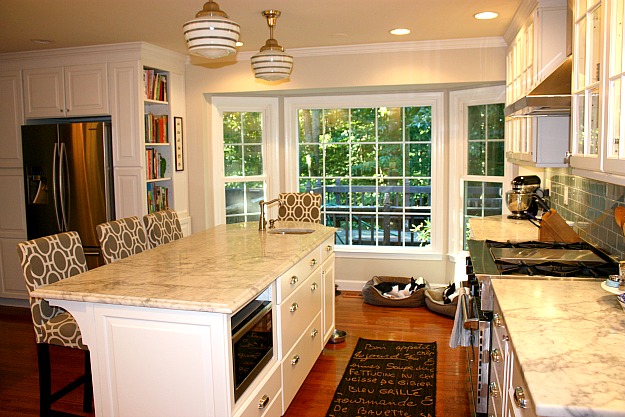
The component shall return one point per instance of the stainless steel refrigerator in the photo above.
(68, 181)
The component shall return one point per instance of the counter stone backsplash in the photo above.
(591, 206)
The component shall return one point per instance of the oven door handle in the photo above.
(470, 318)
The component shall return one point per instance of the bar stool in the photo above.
(44, 261)
(162, 227)
(121, 238)
(303, 207)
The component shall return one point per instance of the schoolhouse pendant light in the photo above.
(272, 63)
(211, 34)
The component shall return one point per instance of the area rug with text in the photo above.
(387, 378)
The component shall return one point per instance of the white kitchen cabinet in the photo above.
(11, 119)
(587, 143)
(72, 91)
(538, 141)
(537, 49)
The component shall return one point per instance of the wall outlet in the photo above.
(566, 196)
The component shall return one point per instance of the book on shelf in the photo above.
(157, 198)
(155, 163)
(155, 85)
(156, 128)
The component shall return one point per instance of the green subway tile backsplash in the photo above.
(591, 207)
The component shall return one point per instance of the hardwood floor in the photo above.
(18, 359)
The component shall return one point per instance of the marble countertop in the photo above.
(218, 270)
(501, 229)
(569, 337)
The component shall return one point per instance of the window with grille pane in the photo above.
(373, 168)
(483, 179)
(243, 165)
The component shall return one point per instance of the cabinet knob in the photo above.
(294, 280)
(294, 307)
(262, 403)
(567, 157)
(313, 262)
(519, 397)
(329, 248)
(314, 286)
(314, 333)
(295, 360)
(497, 321)
(495, 355)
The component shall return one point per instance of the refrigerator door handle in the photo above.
(65, 193)
(55, 187)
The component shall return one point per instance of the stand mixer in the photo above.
(525, 198)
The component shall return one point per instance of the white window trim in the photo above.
(458, 120)
(269, 108)
(433, 99)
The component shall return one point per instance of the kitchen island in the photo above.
(562, 339)
(158, 324)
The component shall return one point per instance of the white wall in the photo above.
(439, 66)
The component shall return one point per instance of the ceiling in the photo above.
(303, 24)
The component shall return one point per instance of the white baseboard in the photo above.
(13, 302)
(344, 285)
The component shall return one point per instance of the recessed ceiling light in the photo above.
(42, 41)
(399, 31)
(485, 15)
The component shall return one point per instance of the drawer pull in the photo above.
(329, 248)
(494, 390)
(263, 402)
(313, 262)
(314, 286)
(294, 280)
(294, 307)
(519, 397)
(314, 333)
(495, 355)
(295, 360)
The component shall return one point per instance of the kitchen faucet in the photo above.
(262, 222)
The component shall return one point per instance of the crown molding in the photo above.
(390, 47)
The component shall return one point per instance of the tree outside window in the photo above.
(373, 168)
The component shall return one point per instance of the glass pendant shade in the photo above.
(272, 63)
(211, 34)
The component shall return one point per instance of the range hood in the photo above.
(552, 97)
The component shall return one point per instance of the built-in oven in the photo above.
(515, 260)
(252, 341)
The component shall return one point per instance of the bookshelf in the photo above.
(157, 140)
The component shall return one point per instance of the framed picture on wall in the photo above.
(178, 142)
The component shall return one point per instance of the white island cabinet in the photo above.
(158, 323)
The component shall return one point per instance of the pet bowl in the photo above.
(338, 336)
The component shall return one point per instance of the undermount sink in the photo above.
(289, 231)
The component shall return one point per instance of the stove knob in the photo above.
(495, 355)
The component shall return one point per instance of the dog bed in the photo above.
(434, 300)
(374, 297)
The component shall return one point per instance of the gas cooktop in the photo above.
(552, 259)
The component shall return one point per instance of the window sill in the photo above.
(412, 254)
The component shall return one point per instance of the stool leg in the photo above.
(45, 379)
(87, 402)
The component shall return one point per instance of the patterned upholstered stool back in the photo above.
(303, 207)
(162, 227)
(44, 261)
(121, 238)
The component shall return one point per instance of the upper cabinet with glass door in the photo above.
(537, 50)
(614, 157)
(586, 111)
